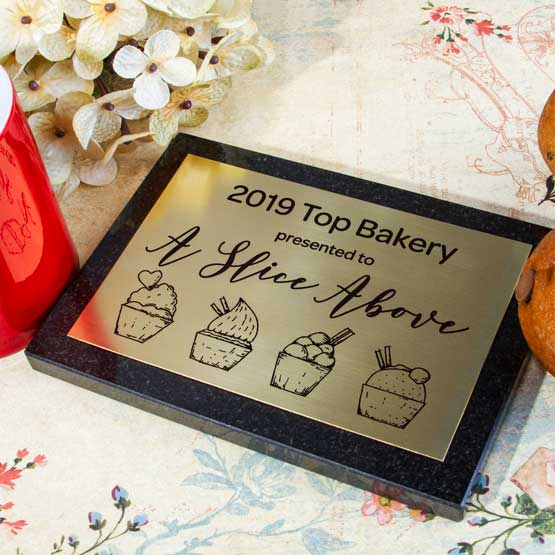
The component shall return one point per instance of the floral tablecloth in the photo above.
(440, 99)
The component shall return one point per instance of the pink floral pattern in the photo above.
(495, 99)
(453, 20)
(385, 508)
(9, 474)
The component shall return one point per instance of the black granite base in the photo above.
(418, 481)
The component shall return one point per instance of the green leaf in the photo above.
(544, 521)
(525, 505)
(425, 22)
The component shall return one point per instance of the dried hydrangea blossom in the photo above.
(94, 75)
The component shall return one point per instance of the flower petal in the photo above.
(126, 141)
(210, 72)
(8, 42)
(129, 17)
(79, 9)
(202, 35)
(87, 70)
(190, 9)
(26, 48)
(160, 5)
(60, 79)
(369, 508)
(125, 104)
(189, 48)
(96, 172)
(248, 30)
(48, 16)
(242, 57)
(108, 125)
(129, 62)
(58, 46)
(151, 92)
(178, 71)
(11, 66)
(266, 47)
(194, 117)
(57, 154)
(155, 21)
(162, 45)
(68, 105)
(164, 124)
(236, 16)
(212, 92)
(95, 40)
(33, 100)
(384, 517)
(84, 122)
(63, 190)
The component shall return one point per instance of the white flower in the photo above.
(103, 21)
(229, 56)
(42, 82)
(61, 45)
(187, 108)
(157, 66)
(60, 150)
(24, 23)
(196, 33)
(101, 120)
(188, 9)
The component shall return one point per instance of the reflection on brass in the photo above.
(288, 294)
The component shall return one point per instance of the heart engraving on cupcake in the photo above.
(149, 279)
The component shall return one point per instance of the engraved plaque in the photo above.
(353, 314)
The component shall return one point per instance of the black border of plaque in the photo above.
(418, 481)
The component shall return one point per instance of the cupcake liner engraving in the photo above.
(303, 364)
(228, 338)
(393, 395)
(148, 310)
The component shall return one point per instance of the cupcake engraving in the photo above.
(305, 362)
(228, 338)
(393, 395)
(148, 310)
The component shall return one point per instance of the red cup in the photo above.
(37, 256)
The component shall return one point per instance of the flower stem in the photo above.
(102, 86)
(108, 536)
(124, 127)
(508, 532)
(481, 508)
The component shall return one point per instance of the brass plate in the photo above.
(404, 308)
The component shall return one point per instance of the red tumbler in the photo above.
(37, 256)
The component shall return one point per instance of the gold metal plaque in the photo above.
(366, 318)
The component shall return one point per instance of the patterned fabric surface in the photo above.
(441, 99)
